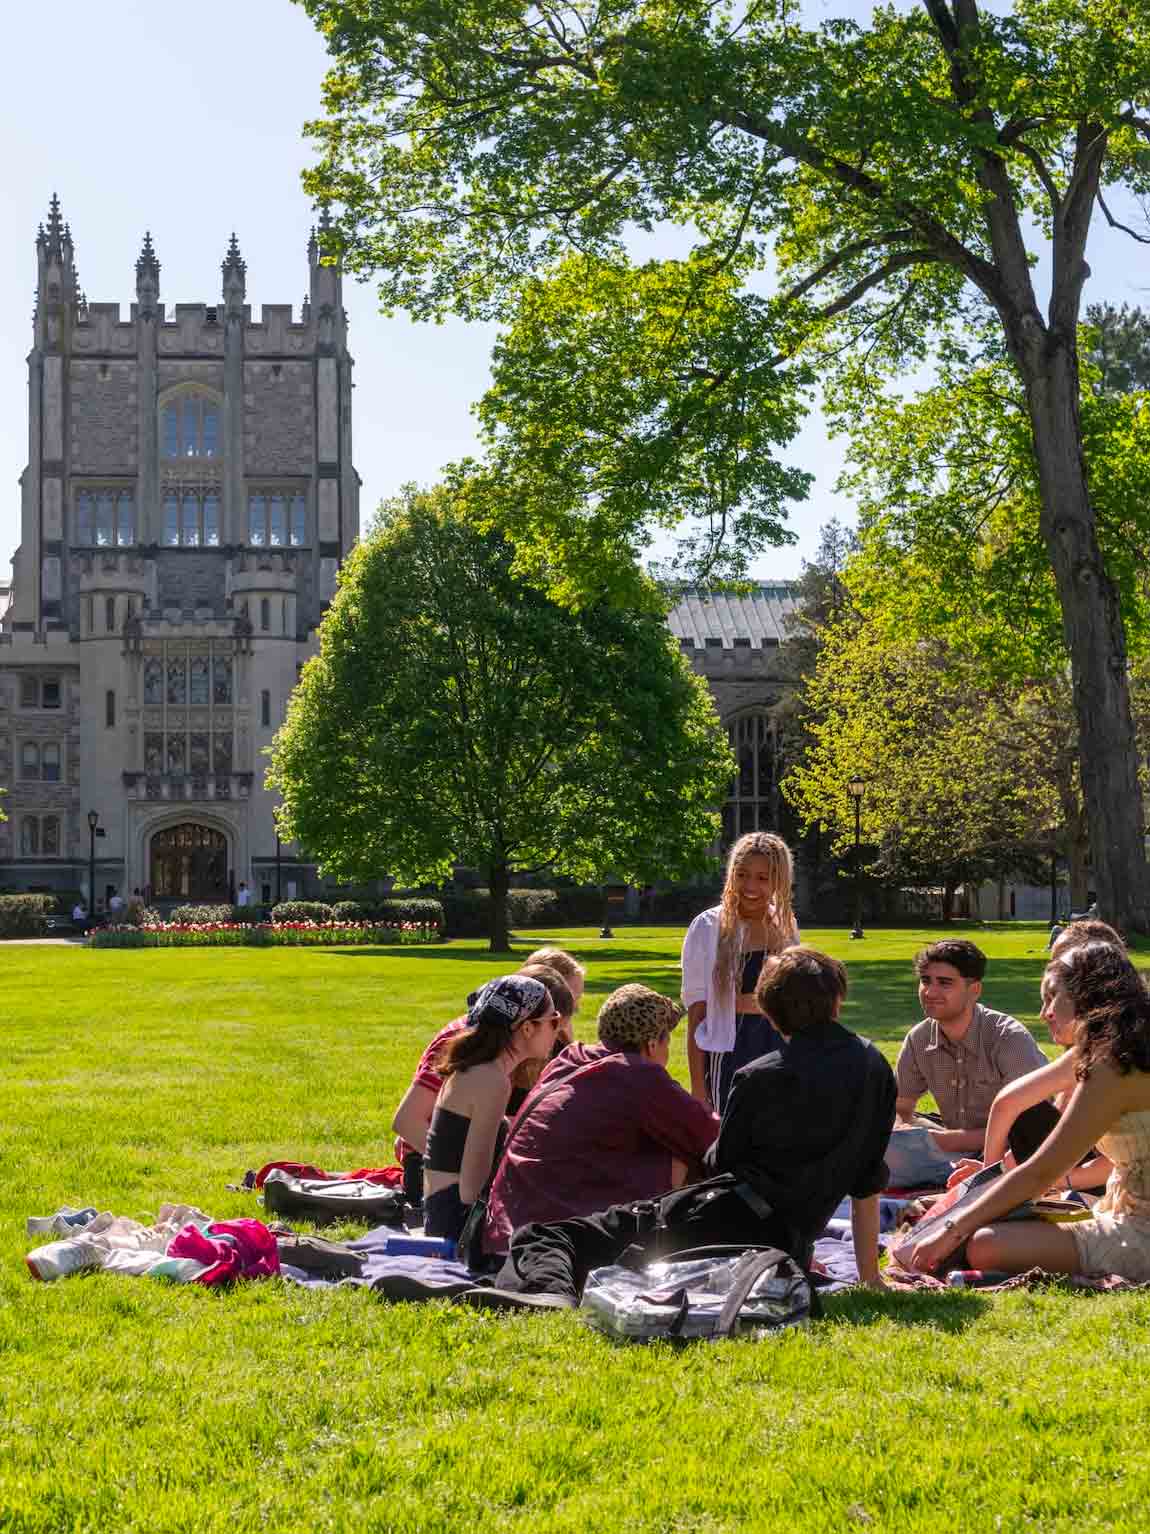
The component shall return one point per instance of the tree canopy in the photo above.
(456, 714)
(893, 177)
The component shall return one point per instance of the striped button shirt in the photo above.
(964, 1077)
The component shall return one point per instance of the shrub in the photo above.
(350, 910)
(410, 908)
(301, 910)
(468, 912)
(201, 915)
(24, 915)
(265, 935)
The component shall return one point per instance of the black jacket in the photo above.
(808, 1124)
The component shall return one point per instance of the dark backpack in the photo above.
(323, 1201)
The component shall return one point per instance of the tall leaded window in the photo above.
(105, 518)
(189, 719)
(190, 427)
(40, 836)
(752, 803)
(277, 519)
(191, 518)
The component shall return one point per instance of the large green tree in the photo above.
(456, 713)
(897, 173)
(960, 781)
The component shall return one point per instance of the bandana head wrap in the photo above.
(508, 1001)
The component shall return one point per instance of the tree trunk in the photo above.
(499, 882)
(1095, 638)
(948, 894)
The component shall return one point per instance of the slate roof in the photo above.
(759, 616)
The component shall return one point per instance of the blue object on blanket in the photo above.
(419, 1246)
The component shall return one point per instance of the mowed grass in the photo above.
(130, 1079)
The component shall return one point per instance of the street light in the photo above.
(94, 830)
(856, 788)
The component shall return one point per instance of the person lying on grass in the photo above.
(1023, 1113)
(962, 1053)
(804, 1126)
(607, 1123)
(413, 1116)
(1109, 1106)
(509, 1020)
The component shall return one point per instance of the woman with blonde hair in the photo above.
(723, 955)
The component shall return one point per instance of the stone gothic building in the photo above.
(188, 499)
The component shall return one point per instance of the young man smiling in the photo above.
(962, 1053)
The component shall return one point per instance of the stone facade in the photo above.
(188, 499)
(738, 644)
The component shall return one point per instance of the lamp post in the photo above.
(856, 787)
(93, 822)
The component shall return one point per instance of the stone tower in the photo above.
(188, 499)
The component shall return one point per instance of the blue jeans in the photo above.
(914, 1161)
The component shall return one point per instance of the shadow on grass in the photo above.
(952, 1311)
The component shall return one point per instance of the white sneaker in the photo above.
(65, 1222)
(59, 1258)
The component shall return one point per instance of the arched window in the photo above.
(110, 614)
(752, 804)
(265, 614)
(190, 427)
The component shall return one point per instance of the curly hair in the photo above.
(1111, 1007)
(779, 917)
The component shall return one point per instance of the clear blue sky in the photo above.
(187, 121)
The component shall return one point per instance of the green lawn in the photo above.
(133, 1078)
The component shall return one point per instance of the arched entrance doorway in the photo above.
(189, 862)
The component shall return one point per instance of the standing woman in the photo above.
(510, 1020)
(723, 954)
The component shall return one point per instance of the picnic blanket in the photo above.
(391, 1277)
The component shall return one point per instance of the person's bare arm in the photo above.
(696, 1058)
(413, 1116)
(904, 1109)
(864, 1230)
(487, 1093)
(1093, 1108)
(952, 1142)
(1022, 1093)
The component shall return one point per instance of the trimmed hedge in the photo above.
(301, 910)
(468, 913)
(392, 908)
(201, 915)
(24, 915)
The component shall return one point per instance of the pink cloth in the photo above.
(241, 1249)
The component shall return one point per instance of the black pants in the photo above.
(556, 1259)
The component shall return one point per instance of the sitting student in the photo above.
(509, 1020)
(606, 1123)
(962, 1053)
(1088, 930)
(1110, 1106)
(804, 1126)
(1022, 1114)
(414, 1112)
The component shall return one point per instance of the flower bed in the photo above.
(289, 934)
